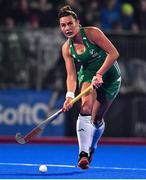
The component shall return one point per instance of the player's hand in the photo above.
(97, 81)
(67, 105)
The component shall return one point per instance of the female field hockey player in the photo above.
(97, 55)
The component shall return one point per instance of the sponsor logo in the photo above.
(94, 53)
(28, 115)
(81, 129)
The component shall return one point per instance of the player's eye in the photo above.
(62, 25)
(70, 23)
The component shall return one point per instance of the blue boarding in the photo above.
(110, 162)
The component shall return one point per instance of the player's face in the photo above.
(69, 26)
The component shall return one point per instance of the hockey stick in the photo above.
(40, 127)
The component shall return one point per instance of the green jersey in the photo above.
(91, 61)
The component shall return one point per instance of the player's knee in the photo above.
(86, 109)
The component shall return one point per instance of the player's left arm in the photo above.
(96, 36)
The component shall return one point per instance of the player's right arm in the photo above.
(71, 81)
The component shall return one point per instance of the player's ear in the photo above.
(78, 21)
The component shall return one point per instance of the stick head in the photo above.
(20, 139)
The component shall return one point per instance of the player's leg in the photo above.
(100, 107)
(84, 127)
(105, 96)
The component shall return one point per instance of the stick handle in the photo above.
(87, 90)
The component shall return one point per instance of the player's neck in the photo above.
(77, 38)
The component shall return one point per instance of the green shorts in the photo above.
(110, 90)
(111, 81)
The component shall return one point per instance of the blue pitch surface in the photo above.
(110, 162)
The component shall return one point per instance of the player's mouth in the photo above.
(69, 33)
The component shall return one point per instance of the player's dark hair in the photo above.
(67, 11)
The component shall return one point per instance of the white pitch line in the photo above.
(49, 165)
(73, 166)
(18, 164)
(119, 168)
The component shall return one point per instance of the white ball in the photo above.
(43, 168)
